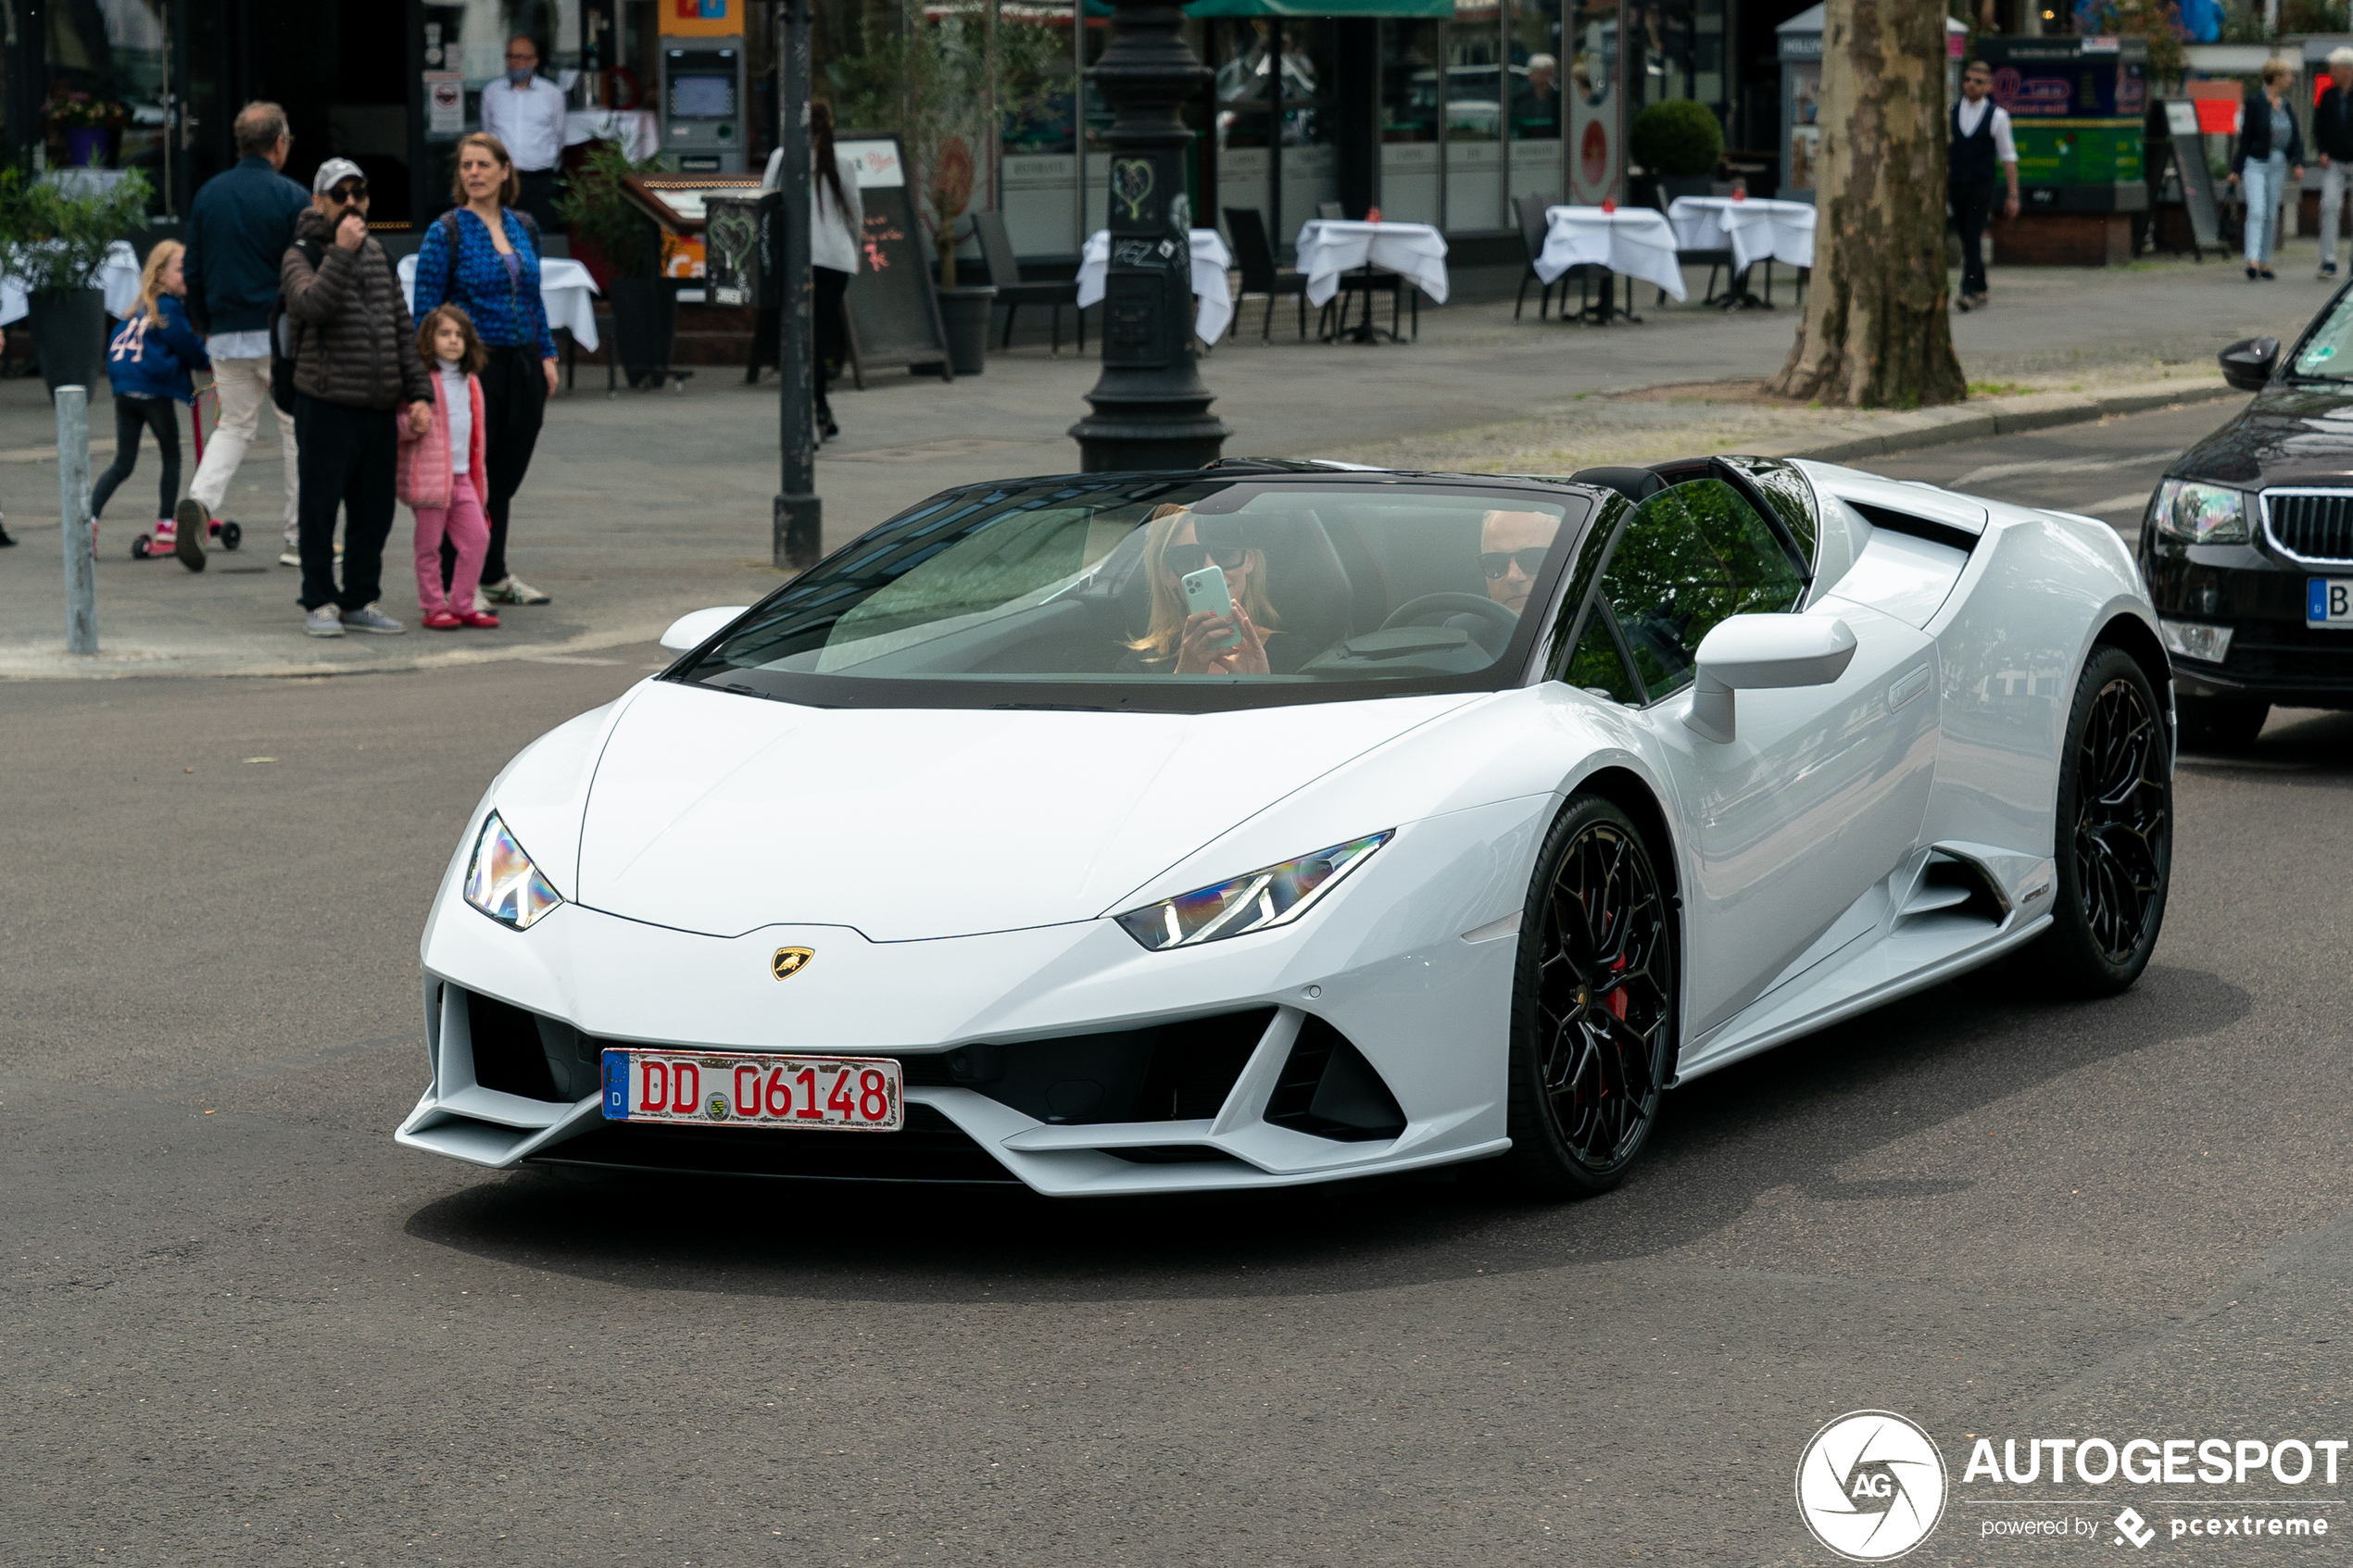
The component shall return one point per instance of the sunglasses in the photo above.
(351, 191)
(1498, 564)
(1193, 557)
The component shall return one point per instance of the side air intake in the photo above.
(1327, 1088)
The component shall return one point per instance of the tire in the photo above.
(139, 547)
(1594, 1008)
(232, 536)
(2115, 840)
(2220, 723)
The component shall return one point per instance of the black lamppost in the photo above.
(1152, 410)
(795, 540)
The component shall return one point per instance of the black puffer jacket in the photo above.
(356, 344)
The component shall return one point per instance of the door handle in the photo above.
(1906, 688)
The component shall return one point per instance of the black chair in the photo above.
(1528, 213)
(1331, 211)
(1255, 258)
(997, 254)
(1713, 258)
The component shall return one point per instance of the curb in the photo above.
(128, 662)
(1912, 430)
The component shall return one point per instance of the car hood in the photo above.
(2288, 435)
(718, 813)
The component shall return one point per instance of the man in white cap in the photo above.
(2333, 139)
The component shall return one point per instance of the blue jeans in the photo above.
(2264, 183)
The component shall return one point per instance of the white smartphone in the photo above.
(1206, 590)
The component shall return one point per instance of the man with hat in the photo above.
(357, 374)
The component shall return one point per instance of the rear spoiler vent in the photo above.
(1926, 527)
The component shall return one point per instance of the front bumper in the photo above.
(2273, 656)
(1368, 1039)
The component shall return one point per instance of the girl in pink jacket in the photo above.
(442, 474)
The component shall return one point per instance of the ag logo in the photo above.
(790, 962)
(1870, 1486)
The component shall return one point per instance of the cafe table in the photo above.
(1632, 242)
(1753, 228)
(1211, 260)
(1330, 247)
(565, 288)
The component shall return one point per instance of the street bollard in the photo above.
(73, 518)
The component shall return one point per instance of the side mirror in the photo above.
(1760, 652)
(2247, 364)
(692, 631)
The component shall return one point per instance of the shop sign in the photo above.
(445, 102)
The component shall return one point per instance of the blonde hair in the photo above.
(151, 275)
(1167, 629)
(2277, 69)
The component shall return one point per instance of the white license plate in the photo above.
(2328, 601)
(839, 1094)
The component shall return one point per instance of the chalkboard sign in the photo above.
(2186, 147)
(736, 239)
(893, 310)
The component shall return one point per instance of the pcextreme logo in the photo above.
(1870, 1486)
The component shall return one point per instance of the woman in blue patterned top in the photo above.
(484, 258)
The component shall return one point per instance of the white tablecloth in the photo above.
(1329, 246)
(118, 278)
(1751, 229)
(1635, 241)
(637, 131)
(1211, 260)
(565, 288)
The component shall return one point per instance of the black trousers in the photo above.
(537, 197)
(1972, 209)
(133, 415)
(345, 458)
(514, 402)
(833, 343)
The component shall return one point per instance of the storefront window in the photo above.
(1475, 74)
(1243, 88)
(1537, 48)
(1309, 85)
(1681, 46)
(106, 61)
(1409, 100)
(1038, 108)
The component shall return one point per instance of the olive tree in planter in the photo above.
(597, 209)
(1680, 143)
(54, 232)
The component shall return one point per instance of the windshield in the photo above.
(2326, 353)
(1168, 594)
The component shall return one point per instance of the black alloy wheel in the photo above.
(1593, 1006)
(2115, 840)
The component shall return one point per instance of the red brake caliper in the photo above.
(1616, 1001)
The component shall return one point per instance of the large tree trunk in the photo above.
(1875, 333)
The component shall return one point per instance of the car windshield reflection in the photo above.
(1125, 591)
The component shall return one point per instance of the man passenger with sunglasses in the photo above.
(1512, 547)
(357, 374)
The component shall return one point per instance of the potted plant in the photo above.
(53, 238)
(625, 238)
(1680, 143)
(88, 126)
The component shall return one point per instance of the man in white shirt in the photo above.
(1980, 142)
(526, 112)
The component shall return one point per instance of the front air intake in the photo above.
(1327, 1088)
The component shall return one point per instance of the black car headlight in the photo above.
(502, 882)
(2201, 514)
(1256, 900)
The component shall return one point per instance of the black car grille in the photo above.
(2315, 527)
(927, 1147)
(2286, 652)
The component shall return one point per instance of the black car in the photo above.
(2247, 544)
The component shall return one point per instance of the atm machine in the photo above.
(703, 105)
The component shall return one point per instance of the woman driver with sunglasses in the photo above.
(1180, 643)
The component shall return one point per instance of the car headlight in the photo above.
(2201, 514)
(502, 882)
(1254, 901)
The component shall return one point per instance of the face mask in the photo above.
(520, 76)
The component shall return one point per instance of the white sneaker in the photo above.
(513, 590)
(324, 622)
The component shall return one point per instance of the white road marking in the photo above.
(2131, 500)
(2065, 465)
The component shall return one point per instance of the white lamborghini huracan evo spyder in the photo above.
(1277, 822)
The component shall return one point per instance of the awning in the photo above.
(1435, 10)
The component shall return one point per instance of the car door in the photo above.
(1822, 792)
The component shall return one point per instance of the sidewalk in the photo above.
(645, 505)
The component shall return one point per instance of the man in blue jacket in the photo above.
(238, 231)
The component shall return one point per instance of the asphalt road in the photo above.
(241, 1326)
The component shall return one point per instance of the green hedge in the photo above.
(1679, 139)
